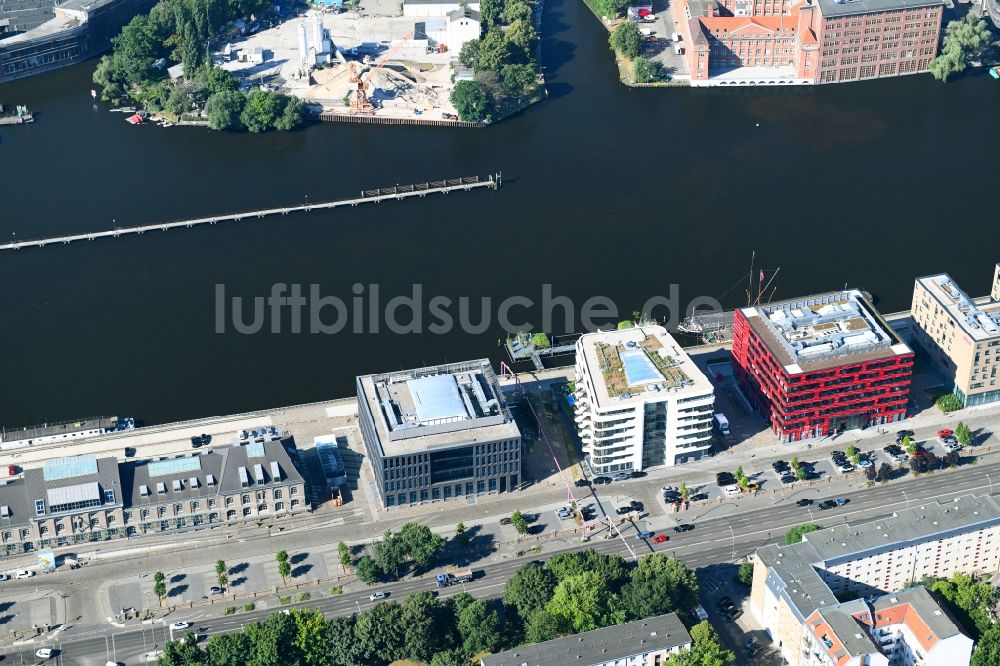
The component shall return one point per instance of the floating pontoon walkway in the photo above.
(398, 192)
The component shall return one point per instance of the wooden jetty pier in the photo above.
(397, 192)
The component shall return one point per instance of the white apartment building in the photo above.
(640, 400)
(796, 588)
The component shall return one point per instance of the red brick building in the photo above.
(773, 42)
(821, 364)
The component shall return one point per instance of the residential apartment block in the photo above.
(438, 433)
(821, 364)
(961, 333)
(781, 42)
(646, 642)
(796, 588)
(640, 401)
(85, 499)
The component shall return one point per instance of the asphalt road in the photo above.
(713, 540)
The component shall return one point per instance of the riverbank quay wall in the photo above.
(81, 30)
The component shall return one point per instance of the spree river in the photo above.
(608, 191)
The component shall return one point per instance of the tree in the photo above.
(853, 454)
(344, 553)
(227, 649)
(420, 543)
(529, 590)
(658, 585)
(428, 626)
(494, 51)
(478, 627)
(741, 478)
(871, 472)
(963, 434)
(705, 649)
(964, 40)
(795, 462)
(461, 535)
(884, 473)
(515, 10)
(312, 638)
(952, 459)
(745, 573)
(582, 602)
(987, 652)
(949, 402)
(489, 11)
(801, 474)
(453, 657)
(522, 38)
(218, 80)
(224, 109)
(261, 110)
(390, 554)
(272, 642)
(344, 650)
(293, 114)
(380, 634)
(517, 80)
(284, 566)
(220, 574)
(608, 8)
(909, 445)
(184, 652)
(159, 585)
(648, 71)
(472, 102)
(684, 491)
(627, 40)
(519, 522)
(543, 626)
(469, 54)
(971, 599)
(367, 570)
(795, 534)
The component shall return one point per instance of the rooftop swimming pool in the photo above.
(638, 368)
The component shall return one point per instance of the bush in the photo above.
(336, 589)
(304, 596)
(949, 403)
(247, 607)
(472, 102)
(794, 535)
(627, 40)
(284, 600)
(745, 574)
(540, 341)
(229, 610)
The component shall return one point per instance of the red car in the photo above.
(661, 538)
(919, 453)
(946, 432)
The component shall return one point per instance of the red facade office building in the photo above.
(821, 364)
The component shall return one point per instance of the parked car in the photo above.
(804, 502)
(642, 535)
(699, 497)
(637, 505)
(845, 468)
(621, 476)
(945, 432)
(24, 573)
(622, 510)
(378, 594)
(732, 491)
(215, 589)
(864, 463)
(43, 653)
(900, 434)
(601, 480)
(582, 483)
(506, 521)
(779, 465)
(725, 479)
(179, 626)
(4, 577)
(753, 485)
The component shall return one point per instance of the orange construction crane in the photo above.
(360, 103)
(393, 50)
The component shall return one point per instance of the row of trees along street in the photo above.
(571, 593)
(504, 60)
(181, 31)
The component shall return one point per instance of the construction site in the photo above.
(361, 64)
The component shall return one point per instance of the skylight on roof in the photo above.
(174, 466)
(67, 468)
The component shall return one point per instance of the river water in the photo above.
(607, 192)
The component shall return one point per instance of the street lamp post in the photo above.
(906, 497)
(991, 483)
(733, 534)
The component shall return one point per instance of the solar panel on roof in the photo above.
(174, 466)
(255, 450)
(67, 468)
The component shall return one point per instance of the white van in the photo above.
(721, 422)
